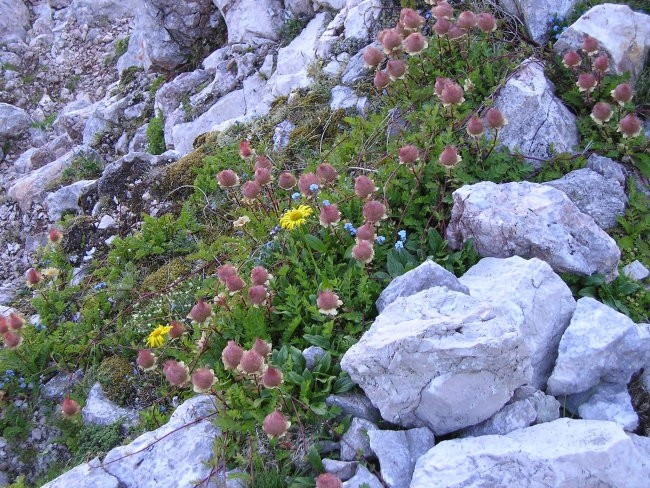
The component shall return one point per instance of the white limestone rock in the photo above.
(14, 121)
(611, 402)
(86, 475)
(558, 454)
(99, 410)
(621, 32)
(537, 14)
(439, 359)
(531, 220)
(14, 21)
(343, 469)
(355, 441)
(600, 345)
(360, 19)
(66, 199)
(363, 479)
(537, 119)
(636, 271)
(607, 167)
(251, 21)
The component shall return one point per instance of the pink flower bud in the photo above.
(415, 43)
(202, 380)
(442, 26)
(245, 150)
(571, 59)
(475, 126)
(329, 215)
(328, 480)
(495, 119)
(4, 324)
(231, 355)
(177, 329)
(601, 63)
(366, 232)
(286, 180)
(601, 112)
(272, 378)
(374, 211)
(176, 372)
(259, 275)
(443, 11)
(586, 82)
(146, 360)
(69, 407)
(363, 251)
(305, 181)
(440, 85)
(455, 32)
(372, 57)
(261, 347)
(55, 236)
(234, 284)
(364, 186)
(16, 321)
(449, 157)
(262, 176)
(466, 20)
(486, 22)
(227, 178)
(326, 173)
(226, 270)
(629, 126)
(410, 19)
(452, 94)
(250, 190)
(11, 339)
(33, 277)
(257, 294)
(263, 162)
(408, 154)
(200, 312)
(328, 302)
(275, 425)
(589, 45)
(622, 93)
(251, 362)
(382, 80)
(391, 41)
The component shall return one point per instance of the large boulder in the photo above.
(610, 402)
(14, 121)
(595, 195)
(439, 359)
(535, 298)
(539, 124)
(536, 14)
(96, 13)
(600, 345)
(86, 475)
(563, 453)
(531, 220)
(14, 21)
(252, 21)
(621, 32)
(66, 199)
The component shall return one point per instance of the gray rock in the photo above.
(537, 119)
(621, 32)
(611, 402)
(355, 442)
(531, 220)
(106, 222)
(607, 167)
(139, 143)
(355, 71)
(397, 451)
(534, 297)
(14, 121)
(98, 12)
(169, 95)
(636, 271)
(300, 8)
(599, 197)
(344, 97)
(66, 199)
(87, 475)
(343, 469)
(176, 454)
(439, 359)
(426, 275)
(546, 406)
(355, 405)
(74, 116)
(99, 410)
(56, 388)
(281, 135)
(536, 14)
(311, 355)
(361, 18)
(562, 453)
(363, 479)
(118, 174)
(600, 345)
(251, 21)
(14, 21)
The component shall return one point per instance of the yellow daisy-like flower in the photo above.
(50, 272)
(157, 336)
(295, 217)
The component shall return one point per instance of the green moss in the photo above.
(115, 374)
(182, 172)
(165, 275)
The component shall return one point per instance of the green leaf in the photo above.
(319, 408)
(315, 243)
(342, 384)
(294, 378)
(317, 340)
(394, 264)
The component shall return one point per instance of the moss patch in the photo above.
(115, 374)
(165, 275)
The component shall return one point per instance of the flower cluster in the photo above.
(10, 327)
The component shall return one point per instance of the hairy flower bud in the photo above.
(251, 191)
(372, 57)
(495, 119)
(475, 126)
(234, 284)
(225, 270)
(305, 183)
(328, 480)
(408, 154)
(69, 407)
(374, 211)
(629, 126)
(16, 321)
(452, 94)
(227, 178)
(202, 380)
(263, 162)
(272, 378)
(486, 22)
(262, 347)
(4, 324)
(251, 362)
(455, 32)
(177, 329)
(245, 150)
(586, 82)
(601, 112)
(601, 63)
(622, 93)
(259, 275)
(33, 277)
(286, 180)
(366, 232)
(382, 80)
(364, 186)
(391, 41)
(363, 251)
(440, 85)
(146, 360)
(466, 20)
(415, 43)
(257, 295)
(326, 173)
(328, 302)
(329, 215)
(449, 157)
(55, 236)
(200, 312)
(262, 176)
(410, 19)
(590, 45)
(176, 372)
(231, 355)
(571, 59)
(11, 339)
(275, 425)
(442, 26)
(443, 11)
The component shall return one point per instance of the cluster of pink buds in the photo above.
(9, 329)
(252, 363)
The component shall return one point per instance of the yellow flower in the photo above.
(50, 272)
(157, 336)
(295, 217)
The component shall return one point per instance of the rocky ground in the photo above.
(84, 83)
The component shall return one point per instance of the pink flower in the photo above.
(11, 339)
(622, 93)
(326, 173)
(227, 178)
(366, 232)
(410, 19)
(257, 295)
(262, 348)
(363, 251)
(452, 94)
(590, 45)
(176, 372)
(586, 82)
(601, 112)
(601, 63)
(486, 22)
(396, 69)
(69, 407)
(262, 176)
(4, 324)
(263, 162)
(443, 11)
(374, 211)
(449, 157)
(328, 302)
(55, 236)
(382, 80)
(33, 277)
(234, 284)
(440, 85)
(415, 43)
(200, 312)
(272, 378)
(629, 126)
(251, 362)
(146, 360)
(409, 154)
(177, 329)
(245, 150)
(16, 321)
(475, 127)
(372, 57)
(304, 183)
(329, 216)
(260, 276)
(466, 20)
(442, 26)
(226, 270)
(286, 180)
(495, 119)
(364, 186)
(571, 59)
(231, 355)
(391, 41)
(250, 190)
(202, 380)
(275, 425)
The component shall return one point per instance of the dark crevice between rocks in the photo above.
(641, 403)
